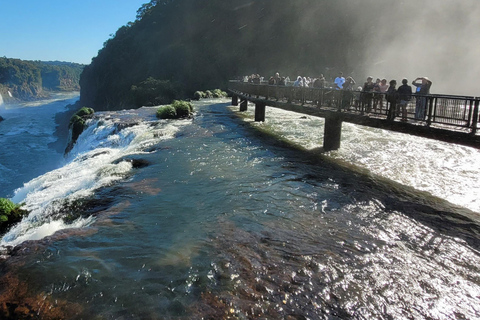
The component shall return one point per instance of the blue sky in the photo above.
(64, 30)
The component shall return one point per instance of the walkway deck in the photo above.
(448, 118)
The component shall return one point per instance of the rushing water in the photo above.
(25, 135)
(209, 218)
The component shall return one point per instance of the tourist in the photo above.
(319, 82)
(339, 81)
(349, 83)
(277, 78)
(305, 82)
(357, 99)
(391, 96)
(347, 95)
(404, 96)
(382, 89)
(298, 82)
(423, 89)
(376, 94)
(367, 94)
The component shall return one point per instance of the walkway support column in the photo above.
(243, 105)
(234, 100)
(260, 111)
(332, 132)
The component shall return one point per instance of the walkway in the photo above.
(448, 118)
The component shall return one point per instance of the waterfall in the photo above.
(1, 99)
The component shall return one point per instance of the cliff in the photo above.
(30, 80)
(189, 45)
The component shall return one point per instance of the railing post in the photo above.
(430, 110)
(475, 116)
(470, 111)
(234, 100)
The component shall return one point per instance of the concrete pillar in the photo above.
(243, 105)
(332, 132)
(260, 111)
(234, 100)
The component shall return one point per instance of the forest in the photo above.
(189, 45)
(30, 80)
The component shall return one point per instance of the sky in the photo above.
(61, 30)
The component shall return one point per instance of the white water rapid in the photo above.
(93, 163)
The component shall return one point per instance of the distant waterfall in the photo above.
(1, 99)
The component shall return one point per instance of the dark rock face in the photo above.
(190, 45)
(77, 125)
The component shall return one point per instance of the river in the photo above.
(218, 217)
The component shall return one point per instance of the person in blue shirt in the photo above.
(339, 81)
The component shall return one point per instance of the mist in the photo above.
(410, 39)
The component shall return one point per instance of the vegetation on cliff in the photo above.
(176, 47)
(27, 80)
(10, 213)
(77, 125)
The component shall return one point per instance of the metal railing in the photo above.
(456, 112)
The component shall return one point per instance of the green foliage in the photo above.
(6, 206)
(76, 120)
(84, 111)
(217, 93)
(183, 108)
(166, 112)
(77, 123)
(198, 95)
(153, 92)
(10, 213)
(178, 109)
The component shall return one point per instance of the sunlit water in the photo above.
(223, 223)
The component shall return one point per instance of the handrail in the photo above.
(440, 109)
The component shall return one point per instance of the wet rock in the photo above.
(136, 163)
(18, 302)
(77, 125)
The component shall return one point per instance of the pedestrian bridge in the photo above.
(448, 118)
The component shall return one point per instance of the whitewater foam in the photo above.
(94, 162)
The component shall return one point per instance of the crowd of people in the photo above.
(371, 94)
